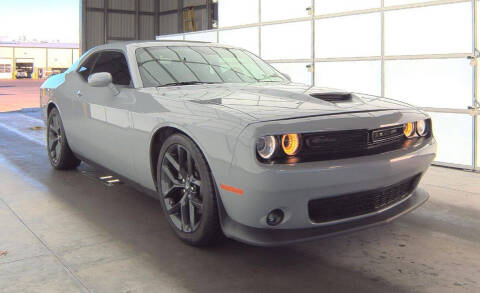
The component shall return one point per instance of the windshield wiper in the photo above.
(186, 83)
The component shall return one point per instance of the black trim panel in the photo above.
(346, 206)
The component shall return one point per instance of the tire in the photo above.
(59, 153)
(183, 189)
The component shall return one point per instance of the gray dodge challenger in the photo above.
(229, 145)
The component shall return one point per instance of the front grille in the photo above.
(343, 144)
(361, 203)
(351, 143)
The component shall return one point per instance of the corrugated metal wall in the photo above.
(106, 21)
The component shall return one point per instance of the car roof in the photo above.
(158, 43)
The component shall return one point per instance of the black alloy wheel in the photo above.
(55, 139)
(59, 152)
(181, 185)
(186, 191)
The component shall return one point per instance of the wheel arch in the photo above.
(156, 142)
(50, 106)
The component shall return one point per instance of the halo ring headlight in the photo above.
(422, 128)
(409, 129)
(290, 144)
(266, 146)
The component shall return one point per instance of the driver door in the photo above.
(105, 117)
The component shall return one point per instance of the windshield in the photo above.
(169, 65)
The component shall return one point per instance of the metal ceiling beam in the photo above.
(137, 19)
(105, 20)
(120, 11)
(156, 19)
(180, 16)
(83, 26)
(209, 14)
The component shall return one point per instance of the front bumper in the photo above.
(277, 237)
(292, 187)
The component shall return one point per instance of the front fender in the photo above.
(217, 144)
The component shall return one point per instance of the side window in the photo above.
(116, 64)
(87, 66)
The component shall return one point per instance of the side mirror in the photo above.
(102, 79)
(287, 76)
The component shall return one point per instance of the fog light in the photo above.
(275, 217)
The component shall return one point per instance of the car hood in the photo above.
(276, 101)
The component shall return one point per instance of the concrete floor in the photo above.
(19, 94)
(67, 232)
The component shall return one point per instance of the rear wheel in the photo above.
(59, 153)
(186, 191)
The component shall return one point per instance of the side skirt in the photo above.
(128, 181)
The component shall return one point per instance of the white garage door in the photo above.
(5, 68)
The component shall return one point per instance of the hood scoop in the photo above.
(333, 97)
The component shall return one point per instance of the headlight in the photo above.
(409, 129)
(266, 146)
(290, 144)
(422, 129)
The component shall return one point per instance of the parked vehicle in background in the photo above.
(21, 74)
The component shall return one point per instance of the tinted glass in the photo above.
(87, 66)
(116, 64)
(171, 64)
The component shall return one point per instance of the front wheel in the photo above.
(186, 191)
(59, 152)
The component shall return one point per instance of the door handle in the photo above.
(79, 94)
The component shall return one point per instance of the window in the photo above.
(234, 12)
(202, 36)
(5, 68)
(336, 6)
(287, 40)
(246, 38)
(453, 133)
(284, 9)
(298, 72)
(173, 64)
(441, 83)
(348, 36)
(254, 66)
(438, 29)
(357, 76)
(87, 66)
(115, 64)
(219, 63)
